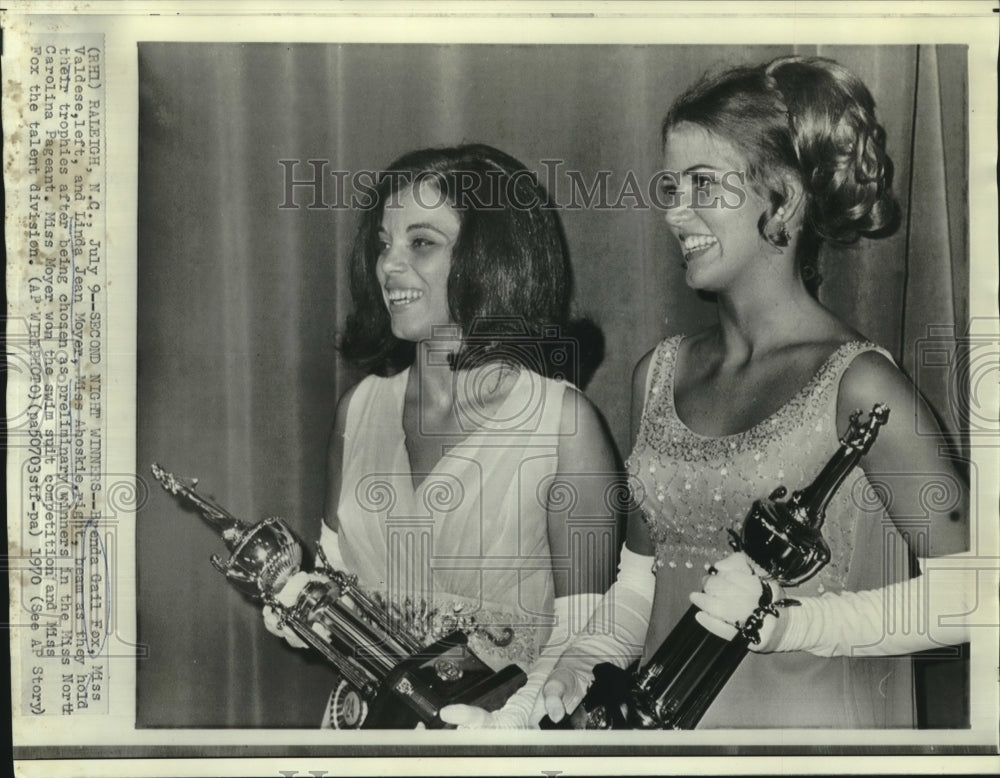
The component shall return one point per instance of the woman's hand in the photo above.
(731, 592)
(471, 717)
(560, 694)
(287, 596)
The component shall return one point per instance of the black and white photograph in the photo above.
(490, 388)
(259, 162)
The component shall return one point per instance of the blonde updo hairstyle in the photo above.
(814, 118)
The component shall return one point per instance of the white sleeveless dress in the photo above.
(468, 547)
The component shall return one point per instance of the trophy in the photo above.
(390, 676)
(689, 669)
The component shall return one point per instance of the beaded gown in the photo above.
(692, 488)
(466, 545)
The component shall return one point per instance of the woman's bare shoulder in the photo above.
(343, 404)
(642, 367)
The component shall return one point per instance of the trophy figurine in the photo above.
(675, 688)
(390, 677)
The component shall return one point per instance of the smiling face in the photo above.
(416, 240)
(714, 211)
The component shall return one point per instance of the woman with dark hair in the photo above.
(450, 465)
(762, 165)
(509, 273)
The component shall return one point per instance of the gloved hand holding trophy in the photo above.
(390, 676)
(780, 544)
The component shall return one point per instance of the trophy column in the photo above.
(390, 676)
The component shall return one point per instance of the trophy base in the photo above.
(444, 673)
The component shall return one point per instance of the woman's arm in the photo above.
(586, 502)
(584, 548)
(329, 541)
(926, 496)
(927, 611)
(335, 459)
(928, 501)
(617, 628)
(582, 517)
(637, 538)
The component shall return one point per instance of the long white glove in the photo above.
(730, 593)
(616, 634)
(913, 615)
(330, 543)
(525, 707)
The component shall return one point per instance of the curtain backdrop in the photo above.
(240, 299)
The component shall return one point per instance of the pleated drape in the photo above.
(240, 299)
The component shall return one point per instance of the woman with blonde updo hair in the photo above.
(762, 165)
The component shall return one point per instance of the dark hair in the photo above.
(809, 116)
(510, 275)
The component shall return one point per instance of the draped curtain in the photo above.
(240, 298)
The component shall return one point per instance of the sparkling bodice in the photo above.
(692, 488)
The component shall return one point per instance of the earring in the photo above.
(775, 231)
(777, 235)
